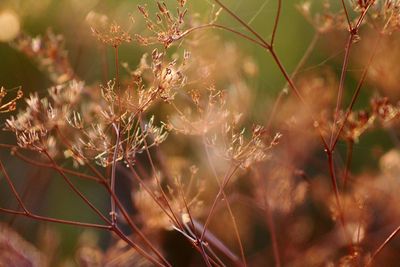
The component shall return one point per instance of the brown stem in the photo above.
(349, 156)
(113, 172)
(158, 178)
(134, 227)
(337, 198)
(272, 230)
(341, 86)
(226, 180)
(357, 91)
(228, 205)
(117, 231)
(218, 26)
(12, 187)
(148, 190)
(117, 202)
(47, 165)
(301, 63)
(297, 92)
(55, 220)
(244, 24)
(379, 249)
(74, 189)
(347, 15)
(198, 242)
(277, 17)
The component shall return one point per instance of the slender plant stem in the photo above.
(113, 171)
(270, 220)
(349, 156)
(337, 198)
(74, 189)
(379, 249)
(158, 178)
(12, 187)
(198, 242)
(272, 230)
(67, 171)
(117, 231)
(341, 86)
(225, 181)
(352, 34)
(277, 17)
(118, 204)
(357, 90)
(236, 229)
(55, 220)
(134, 227)
(347, 16)
(117, 128)
(297, 93)
(221, 27)
(282, 93)
(148, 190)
(244, 24)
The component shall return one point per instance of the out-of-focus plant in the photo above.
(177, 130)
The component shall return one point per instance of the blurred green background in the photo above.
(67, 17)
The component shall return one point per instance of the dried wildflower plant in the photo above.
(166, 27)
(172, 143)
(112, 35)
(10, 105)
(49, 53)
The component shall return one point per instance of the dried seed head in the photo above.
(112, 35)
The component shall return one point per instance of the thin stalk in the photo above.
(357, 91)
(235, 227)
(337, 198)
(113, 213)
(134, 227)
(118, 204)
(116, 67)
(12, 187)
(14, 152)
(202, 251)
(347, 16)
(158, 178)
(195, 246)
(117, 231)
(74, 189)
(221, 27)
(117, 127)
(301, 63)
(277, 17)
(55, 220)
(353, 33)
(50, 166)
(104, 63)
(379, 249)
(227, 178)
(244, 24)
(341, 86)
(297, 92)
(272, 230)
(349, 156)
(270, 222)
(148, 190)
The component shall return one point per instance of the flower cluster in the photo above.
(35, 125)
(112, 35)
(49, 53)
(358, 122)
(167, 27)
